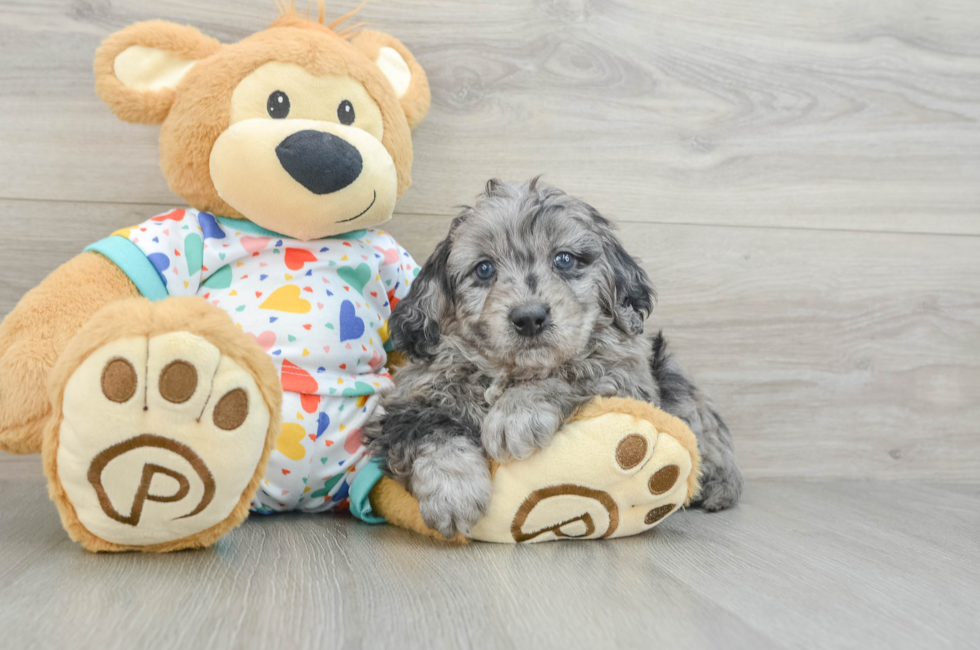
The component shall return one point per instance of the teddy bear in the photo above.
(221, 359)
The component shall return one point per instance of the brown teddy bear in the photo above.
(223, 358)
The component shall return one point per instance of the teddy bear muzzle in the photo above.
(305, 179)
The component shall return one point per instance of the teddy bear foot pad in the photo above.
(160, 437)
(617, 470)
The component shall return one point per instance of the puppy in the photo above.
(528, 309)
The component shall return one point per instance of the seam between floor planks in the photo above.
(448, 216)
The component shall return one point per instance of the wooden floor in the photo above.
(797, 565)
(801, 178)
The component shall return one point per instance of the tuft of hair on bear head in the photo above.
(291, 17)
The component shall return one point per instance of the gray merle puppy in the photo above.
(528, 309)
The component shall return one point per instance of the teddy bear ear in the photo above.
(138, 68)
(405, 74)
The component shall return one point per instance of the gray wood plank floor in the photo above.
(797, 565)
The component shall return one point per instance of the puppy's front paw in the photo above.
(452, 513)
(513, 430)
(452, 484)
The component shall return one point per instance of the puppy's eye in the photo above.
(564, 261)
(345, 113)
(485, 270)
(278, 105)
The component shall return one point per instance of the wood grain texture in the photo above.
(826, 114)
(797, 565)
(829, 353)
(800, 180)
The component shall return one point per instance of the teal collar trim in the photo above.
(241, 225)
(133, 262)
(360, 492)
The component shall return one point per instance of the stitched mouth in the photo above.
(374, 198)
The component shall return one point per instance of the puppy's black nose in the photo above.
(320, 162)
(530, 320)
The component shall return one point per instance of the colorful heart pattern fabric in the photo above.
(319, 308)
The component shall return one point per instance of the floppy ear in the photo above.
(414, 324)
(138, 68)
(491, 187)
(405, 74)
(633, 295)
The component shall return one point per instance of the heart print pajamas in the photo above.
(319, 308)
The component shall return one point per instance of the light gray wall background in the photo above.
(801, 180)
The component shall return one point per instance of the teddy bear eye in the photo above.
(278, 105)
(345, 113)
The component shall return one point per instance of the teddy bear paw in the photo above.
(159, 438)
(614, 473)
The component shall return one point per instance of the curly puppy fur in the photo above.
(527, 310)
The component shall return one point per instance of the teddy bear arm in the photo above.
(35, 333)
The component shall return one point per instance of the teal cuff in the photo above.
(360, 491)
(134, 263)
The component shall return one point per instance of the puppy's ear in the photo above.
(137, 69)
(633, 295)
(491, 187)
(414, 324)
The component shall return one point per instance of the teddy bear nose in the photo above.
(320, 162)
